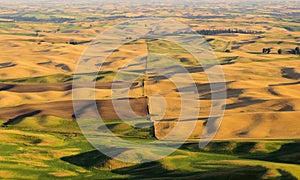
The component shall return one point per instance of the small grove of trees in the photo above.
(280, 51)
(37, 32)
(266, 50)
(294, 51)
(72, 42)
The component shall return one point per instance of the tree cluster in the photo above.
(221, 31)
(280, 51)
(266, 50)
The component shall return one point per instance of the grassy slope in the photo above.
(55, 149)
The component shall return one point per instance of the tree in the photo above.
(297, 50)
(37, 32)
(279, 51)
(73, 42)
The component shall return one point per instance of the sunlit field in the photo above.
(256, 44)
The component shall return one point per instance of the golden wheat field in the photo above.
(42, 42)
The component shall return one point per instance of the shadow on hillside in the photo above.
(4, 87)
(288, 153)
(90, 159)
(290, 73)
(207, 90)
(244, 102)
(20, 118)
(7, 65)
(285, 84)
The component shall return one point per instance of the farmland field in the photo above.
(41, 45)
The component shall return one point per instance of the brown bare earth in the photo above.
(64, 109)
(30, 88)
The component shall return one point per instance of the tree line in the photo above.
(280, 51)
(221, 31)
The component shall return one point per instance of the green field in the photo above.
(57, 149)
